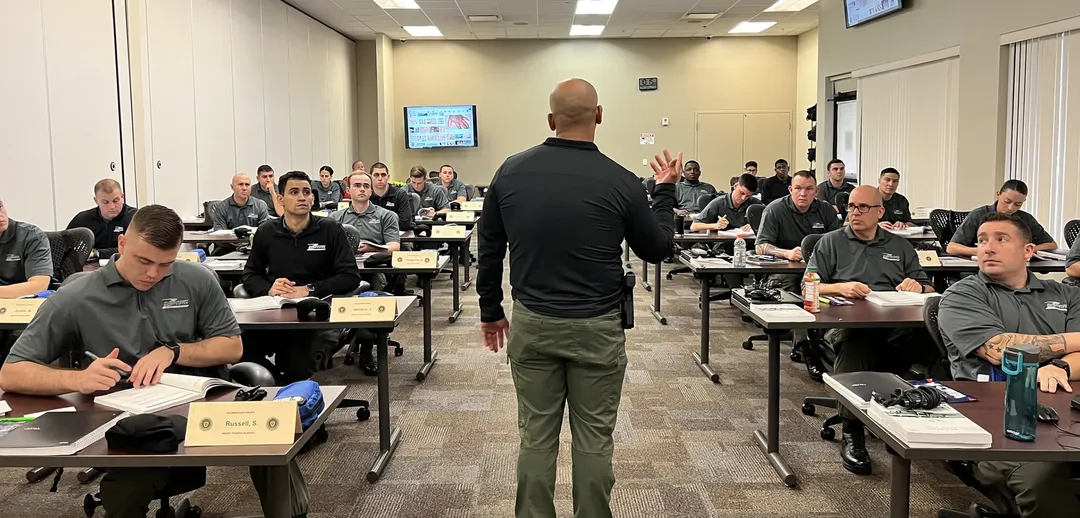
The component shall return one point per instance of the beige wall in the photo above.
(367, 97)
(509, 81)
(929, 25)
(806, 94)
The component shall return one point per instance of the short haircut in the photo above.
(1022, 229)
(327, 169)
(444, 166)
(158, 225)
(379, 165)
(750, 164)
(106, 185)
(889, 170)
(834, 161)
(418, 171)
(291, 175)
(348, 179)
(356, 163)
(805, 174)
(1014, 185)
(263, 169)
(695, 162)
(749, 181)
(780, 161)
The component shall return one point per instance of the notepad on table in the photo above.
(173, 390)
(782, 313)
(263, 303)
(899, 298)
(1049, 256)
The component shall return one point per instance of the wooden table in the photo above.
(457, 245)
(988, 412)
(275, 457)
(197, 224)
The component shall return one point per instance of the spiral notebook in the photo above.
(57, 433)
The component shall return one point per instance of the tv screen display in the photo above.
(862, 11)
(428, 127)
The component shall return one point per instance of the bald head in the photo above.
(865, 194)
(865, 197)
(241, 187)
(574, 108)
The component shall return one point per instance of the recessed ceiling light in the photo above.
(397, 4)
(751, 27)
(484, 18)
(790, 5)
(420, 31)
(700, 16)
(586, 30)
(595, 6)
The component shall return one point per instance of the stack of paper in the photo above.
(1050, 256)
(710, 262)
(172, 390)
(940, 427)
(781, 313)
(262, 303)
(899, 298)
(910, 231)
(225, 265)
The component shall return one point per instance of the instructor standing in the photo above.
(565, 209)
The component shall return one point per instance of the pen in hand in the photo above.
(123, 374)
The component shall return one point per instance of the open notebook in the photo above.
(263, 303)
(899, 298)
(173, 390)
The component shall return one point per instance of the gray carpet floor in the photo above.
(684, 446)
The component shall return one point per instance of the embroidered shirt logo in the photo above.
(389, 204)
(890, 257)
(897, 211)
(174, 303)
(12, 258)
(818, 225)
(118, 230)
(1056, 306)
(315, 247)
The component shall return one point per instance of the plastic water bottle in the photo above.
(740, 252)
(811, 290)
(1020, 364)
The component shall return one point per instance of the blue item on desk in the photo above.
(308, 396)
(201, 253)
(44, 294)
(374, 293)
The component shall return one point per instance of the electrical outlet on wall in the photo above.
(664, 121)
(644, 161)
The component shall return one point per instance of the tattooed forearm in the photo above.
(769, 249)
(1049, 346)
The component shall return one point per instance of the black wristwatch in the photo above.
(174, 347)
(310, 290)
(1062, 364)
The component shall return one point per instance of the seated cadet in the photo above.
(108, 220)
(455, 189)
(265, 190)
(186, 326)
(1005, 305)
(391, 197)
(690, 189)
(432, 197)
(785, 223)
(329, 191)
(775, 187)
(240, 209)
(835, 184)
(729, 211)
(852, 262)
(1010, 198)
(298, 255)
(751, 168)
(25, 258)
(897, 210)
(1072, 260)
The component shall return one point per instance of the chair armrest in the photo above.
(241, 292)
(251, 374)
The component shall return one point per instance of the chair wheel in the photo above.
(90, 504)
(194, 512)
(669, 277)
(362, 413)
(321, 435)
(398, 351)
(748, 345)
(808, 409)
(828, 434)
(349, 359)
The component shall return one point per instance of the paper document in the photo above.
(375, 245)
(1050, 256)
(263, 303)
(173, 390)
(910, 231)
(710, 262)
(225, 265)
(39, 414)
(4, 408)
(781, 313)
(899, 298)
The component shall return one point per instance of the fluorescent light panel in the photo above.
(790, 5)
(422, 30)
(397, 4)
(484, 18)
(701, 16)
(586, 30)
(595, 6)
(751, 27)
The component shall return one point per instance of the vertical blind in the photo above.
(908, 120)
(1042, 145)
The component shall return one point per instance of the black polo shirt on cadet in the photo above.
(773, 188)
(724, 207)
(320, 255)
(105, 230)
(897, 209)
(827, 193)
(783, 226)
(397, 201)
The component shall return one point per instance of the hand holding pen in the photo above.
(103, 373)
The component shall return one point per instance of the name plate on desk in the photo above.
(928, 258)
(466, 216)
(342, 205)
(189, 257)
(448, 231)
(18, 311)
(363, 309)
(425, 259)
(242, 423)
(475, 206)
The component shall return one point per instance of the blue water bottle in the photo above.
(1021, 367)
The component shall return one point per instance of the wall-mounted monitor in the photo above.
(857, 12)
(432, 127)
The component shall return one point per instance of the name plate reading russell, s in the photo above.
(448, 231)
(424, 259)
(18, 311)
(475, 206)
(466, 216)
(242, 423)
(363, 309)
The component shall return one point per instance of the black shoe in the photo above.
(814, 368)
(368, 363)
(853, 448)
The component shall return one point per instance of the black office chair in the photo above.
(1072, 228)
(841, 200)
(941, 224)
(350, 337)
(70, 250)
(815, 351)
(470, 192)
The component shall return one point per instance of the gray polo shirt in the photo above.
(1073, 256)
(376, 224)
(332, 193)
(724, 207)
(267, 197)
(968, 233)
(897, 209)
(24, 253)
(881, 263)
(977, 308)
(227, 214)
(687, 194)
(432, 196)
(827, 193)
(783, 226)
(455, 190)
(102, 311)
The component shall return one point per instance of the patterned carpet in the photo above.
(684, 446)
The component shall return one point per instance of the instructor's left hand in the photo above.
(495, 334)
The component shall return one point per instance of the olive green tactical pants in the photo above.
(1041, 489)
(556, 361)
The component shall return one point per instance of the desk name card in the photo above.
(475, 206)
(448, 231)
(466, 216)
(342, 205)
(242, 423)
(928, 258)
(424, 259)
(18, 311)
(188, 257)
(363, 309)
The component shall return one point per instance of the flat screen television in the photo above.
(857, 12)
(432, 127)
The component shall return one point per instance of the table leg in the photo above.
(702, 358)
(657, 283)
(900, 494)
(645, 275)
(770, 445)
(388, 438)
(468, 264)
(280, 496)
(429, 354)
(454, 280)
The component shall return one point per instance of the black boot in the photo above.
(853, 448)
(367, 361)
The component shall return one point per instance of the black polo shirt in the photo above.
(724, 207)
(773, 188)
(827, 193)
(968, 232)
(397, 201)
(105, 230)
(320, 255)
(897, 209)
